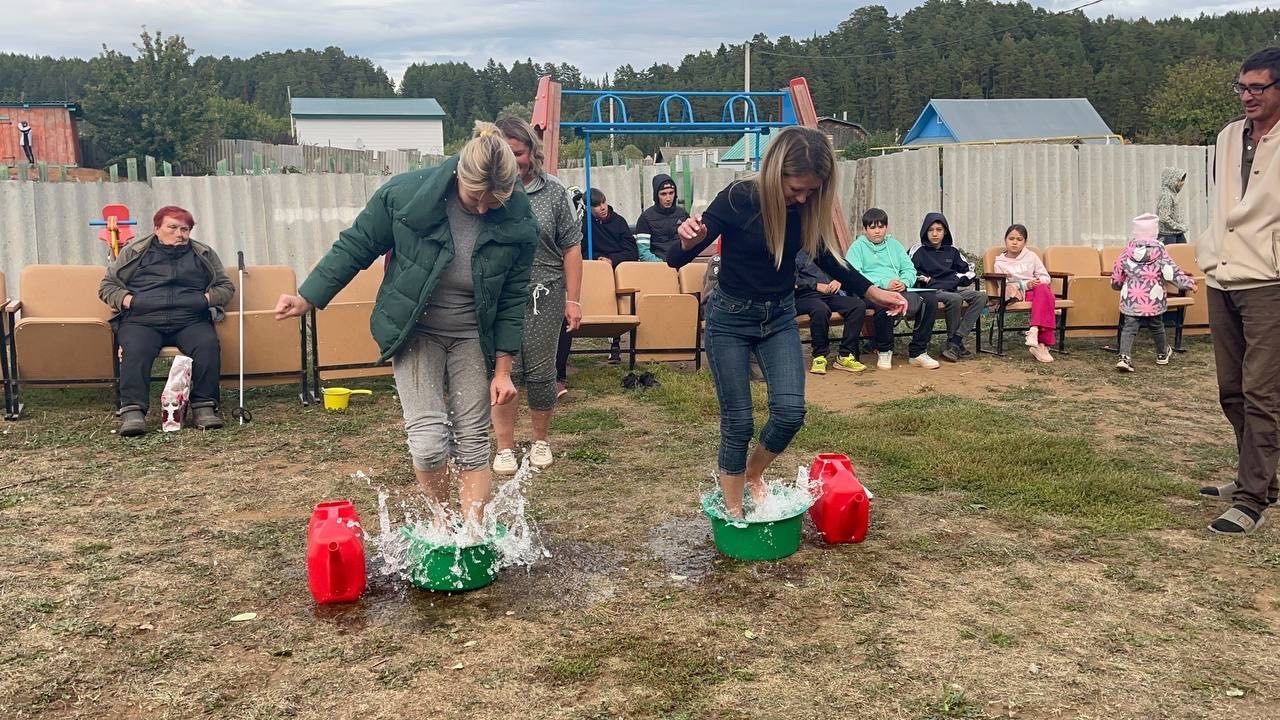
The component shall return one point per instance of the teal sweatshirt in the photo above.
(883, 263)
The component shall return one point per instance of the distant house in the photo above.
(842, 132)
(55, 139)
(370, 123)
(742, 154)
(680, 157)
(963, 121)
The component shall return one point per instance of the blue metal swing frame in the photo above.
(729, 124)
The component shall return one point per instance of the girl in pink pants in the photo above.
(1029, 281)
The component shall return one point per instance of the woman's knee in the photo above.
(429, 440)
(541, 394)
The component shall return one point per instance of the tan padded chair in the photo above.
(607, 310)
(272, 349)
(996, 287)
(1097, 306)
(1109, 256)
(342, 338)
(60, 334)
(4, 347)
(668, 317)
(1197, 311)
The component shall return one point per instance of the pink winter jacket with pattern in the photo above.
(1140, 274)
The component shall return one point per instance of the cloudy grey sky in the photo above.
(593, 35)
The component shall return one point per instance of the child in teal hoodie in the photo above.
(884, 261)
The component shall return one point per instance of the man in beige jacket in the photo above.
(1240, 256)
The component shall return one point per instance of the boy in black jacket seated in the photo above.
(941, 267)
(611, 236)
(818, 295)
(612, 240)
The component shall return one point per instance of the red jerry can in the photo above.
(335, 553)
(843, 510)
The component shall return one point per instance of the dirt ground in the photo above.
(126, 561)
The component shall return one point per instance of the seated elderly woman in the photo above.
(167, 289)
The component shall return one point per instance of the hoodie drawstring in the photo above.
(538, 289)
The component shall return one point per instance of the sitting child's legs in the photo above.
(854, 311)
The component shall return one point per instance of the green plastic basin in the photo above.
(769, 540)
(448, 568)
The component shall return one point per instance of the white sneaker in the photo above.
(884, 361)
(923, 360)
(540, 456)
(504, 463)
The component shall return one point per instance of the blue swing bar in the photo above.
(727, 125)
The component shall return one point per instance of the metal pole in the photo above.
(587, 192)
(746, 87)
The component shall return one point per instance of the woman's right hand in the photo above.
(893, 303)
(291, 306)
(692, 231)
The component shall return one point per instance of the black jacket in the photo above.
(808, 275)
(659, 222)
(747, 269)
(611, 238)
(945, 267)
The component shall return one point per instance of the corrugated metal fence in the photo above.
(1065, 195)
(251, 155)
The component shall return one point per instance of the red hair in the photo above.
(174, 212)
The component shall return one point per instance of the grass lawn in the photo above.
(1037, 551)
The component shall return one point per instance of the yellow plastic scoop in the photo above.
(336, 398)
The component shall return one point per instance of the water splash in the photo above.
(425, 523)
(782, 500)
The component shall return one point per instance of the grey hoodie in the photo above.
(1168, 209)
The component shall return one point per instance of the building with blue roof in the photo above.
(1009, 120)
(370, 123)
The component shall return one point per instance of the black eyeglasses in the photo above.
(1254, 90)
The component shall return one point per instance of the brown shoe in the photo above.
(206, 418)
(133, 422)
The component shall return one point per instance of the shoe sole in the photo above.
(541, 466)
(817, 372)
(1123, 369)
(132, 433)
(922, 365)
(852, 370)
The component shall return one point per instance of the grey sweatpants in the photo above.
(960, 320)
(535, 366)
(444, 393)
(1129, 331)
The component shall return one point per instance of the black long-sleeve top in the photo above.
(747, 271)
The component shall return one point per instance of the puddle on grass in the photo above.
(683, 545)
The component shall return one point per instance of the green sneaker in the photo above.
(819, 366)
(850, 363)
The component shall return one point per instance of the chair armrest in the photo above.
(1060, 274)
(12, 306)
(995, 277)
(629, 293)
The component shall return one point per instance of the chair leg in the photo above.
(1062, 333)
(1000, 333)
(631, 351)
(1179, 323)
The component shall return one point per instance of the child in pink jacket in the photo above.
(1140, 274)
(1029, 280)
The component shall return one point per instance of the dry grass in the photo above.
(1037, 551)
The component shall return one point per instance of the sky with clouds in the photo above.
(594, 36)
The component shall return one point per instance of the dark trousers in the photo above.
(819, 308)
(140, 344)
(562, 354)
(31, 158)
(923, 306)
(1246, 343)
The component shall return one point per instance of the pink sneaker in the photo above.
(561, 390)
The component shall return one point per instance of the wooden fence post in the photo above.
(114, 172)
(149, 164)
(131, 166)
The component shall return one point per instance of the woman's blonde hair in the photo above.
(486, 164)
(798, 151)
(515, 128)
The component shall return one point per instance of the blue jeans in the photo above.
(735, 330)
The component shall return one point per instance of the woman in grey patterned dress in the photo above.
(554, 292)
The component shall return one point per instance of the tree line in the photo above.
(1162, 81)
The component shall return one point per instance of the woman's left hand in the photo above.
(501, 390)
(893, 302)
(572, 315)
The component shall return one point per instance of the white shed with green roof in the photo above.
(370, 123)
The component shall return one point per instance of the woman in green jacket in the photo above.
(450, 311)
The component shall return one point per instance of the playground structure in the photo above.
(740, 115)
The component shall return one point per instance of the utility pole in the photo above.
(748, 152)
(293, 129)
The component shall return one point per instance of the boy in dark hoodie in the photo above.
(660, 220)
(941, 267)
(611, 237)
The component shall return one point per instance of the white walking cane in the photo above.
(241, 413)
